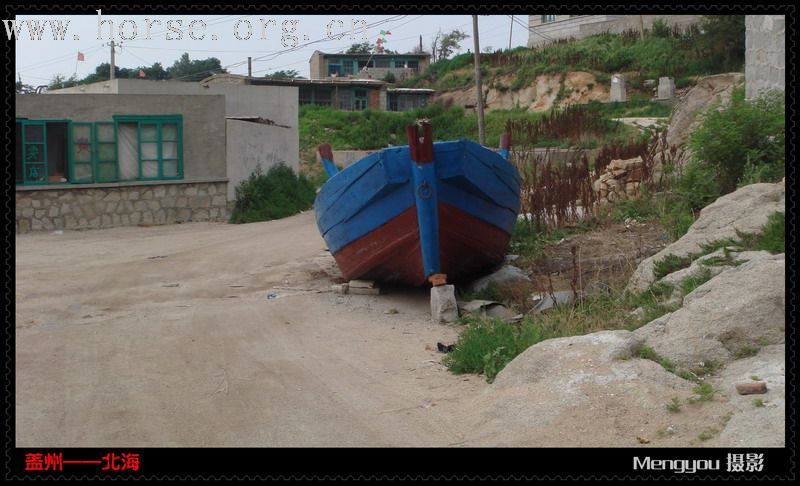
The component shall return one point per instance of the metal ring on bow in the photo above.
(424, 190)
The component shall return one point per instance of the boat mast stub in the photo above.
(326, 154)
(505, 145)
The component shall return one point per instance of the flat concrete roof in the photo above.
(240, 79)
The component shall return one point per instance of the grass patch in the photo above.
(529, 243)
(646, 352)
(674, 405)
(691, 282)
(746, 352)
(487, 345)
(372, 130)
(277, 194)
(758, 402)
(705, 392)
(670, 264)
(708, 433)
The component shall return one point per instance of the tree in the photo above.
(284, 74)
(360, 48)
(23, 87)
(60, 81)
(444, 45)
(185, 69)
(723, 40)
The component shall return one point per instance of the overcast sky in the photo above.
(226, 37)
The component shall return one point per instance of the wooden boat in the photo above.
(422, 212)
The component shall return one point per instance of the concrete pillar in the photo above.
(666, 88)
(444, 307)
(618, 92)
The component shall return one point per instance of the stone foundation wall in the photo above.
(93, 208)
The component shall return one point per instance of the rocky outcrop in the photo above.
(732, 315)
(710, 91)
(746, 210)
(757, 420)
(544, 93)
(586, 390)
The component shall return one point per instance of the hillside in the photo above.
(580, 70)
(529, 84)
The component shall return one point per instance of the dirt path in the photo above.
(221, 335)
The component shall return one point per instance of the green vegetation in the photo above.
(487, 345)
(368, 129)
(529, 243)
(691, 282)
(741, 144)
(183, 69)
(771, 238)
(708, 433)
(705, 392)
(714, 47)
(478, 349)
(674, 405)
(643, 108)
(669, 264)
(745, 142)
(758, 402)
(277, 194)
(646, 352)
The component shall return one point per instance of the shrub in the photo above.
(671, 263)
(746, 138)
(390, 78)
(277, 194)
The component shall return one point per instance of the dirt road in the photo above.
(221, 335)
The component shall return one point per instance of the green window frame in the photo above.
(92, 149)
(160, 149)
(34, 152)
(81, 152)
(93, 152)
(360, 100)
(106, 164)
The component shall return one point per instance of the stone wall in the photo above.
(765, 54)
(107, 207)
(621, 180)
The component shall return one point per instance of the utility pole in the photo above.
(112, 67)
(641, 26)
(510, 30)
(249, 67)
(479, 88)
(420, 44)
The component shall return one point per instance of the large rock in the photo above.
(746, 209)
(738, 311)
(702, 264)
(758, 420)
(710, 91)
(587, 390)
(505, 275)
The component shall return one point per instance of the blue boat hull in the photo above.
(371, 213)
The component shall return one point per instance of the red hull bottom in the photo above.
(392, 253)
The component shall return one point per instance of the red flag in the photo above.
(80, 56)
(141, 73)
